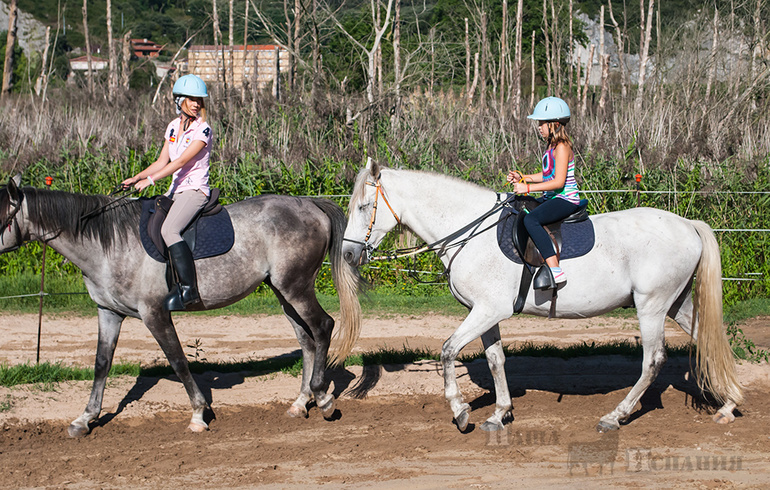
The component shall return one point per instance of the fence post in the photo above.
(48, 182)
(638, 188)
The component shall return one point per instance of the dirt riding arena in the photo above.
(393, 427)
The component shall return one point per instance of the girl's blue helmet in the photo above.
(551, 109)
(190, 86)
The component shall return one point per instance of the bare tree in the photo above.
(619, 38)
(484, 51)
(644, 55)
(602, 59)
(713, 59)
(547, 48)
(503, 51)
(245, 54)
(10, 43)
(217, 34)
(571, 72)
(472, 90)
(124, 72)
(42, 80)
(88, 48)
(587, 80)
(231, 39)
(467, 58)
(532, 63)
(379, 31)
(112, 78)
(517, 59)
(397, 62)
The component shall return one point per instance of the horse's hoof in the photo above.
(75, 431)
(603, 427)
(328, 410)
(492, 426)
(721, 418)
(463, 417)
(297, 412)
(197, 427)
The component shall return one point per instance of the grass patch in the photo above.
(7, 404)
(46, 373)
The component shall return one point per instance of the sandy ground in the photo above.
(392, 428)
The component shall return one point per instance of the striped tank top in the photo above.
(570, 190)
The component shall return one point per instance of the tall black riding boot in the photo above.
(185, 292)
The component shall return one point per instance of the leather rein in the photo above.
(441, 245)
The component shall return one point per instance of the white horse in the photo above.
(642, 257)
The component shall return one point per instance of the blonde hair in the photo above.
(557, 134)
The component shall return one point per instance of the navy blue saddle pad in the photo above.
(214, 235)
(577, 238)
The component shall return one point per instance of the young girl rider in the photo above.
(556, 181)
(185, 156)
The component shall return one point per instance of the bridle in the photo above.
(378, 192)
(11, 220)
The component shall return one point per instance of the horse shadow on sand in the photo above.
(580, 376)
(207, 381)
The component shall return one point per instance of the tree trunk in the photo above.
(532, 62)
(88, 48)
(586, 83)
(112, 79)
(397, 65)
(277, 75)
(644, 56)
(42, 80)
(124, 72)
(469, 95)
(605, 83)
(713, 59)
(517, 60)
(10, 43)
(503, 51)
(246, 53)
(484, 50)
(602, 59)
(316, 54)
(432, 41)
(298, 6)
(231, 39)
(571, 72)
(555, 51)
(547, 49)
(467, 59)
(621, 54)
(217, 35)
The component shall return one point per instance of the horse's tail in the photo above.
(715, 362)
(347, 281)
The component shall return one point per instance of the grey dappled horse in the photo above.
(280, 240)
(643, 257)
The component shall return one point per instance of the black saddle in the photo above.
(208, 235)
(572, 237)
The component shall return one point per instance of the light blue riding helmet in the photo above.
(551, 109)
(188, 86)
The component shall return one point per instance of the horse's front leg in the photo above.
(493, 347)
(475, 324)
(109, 330)
(162, 328)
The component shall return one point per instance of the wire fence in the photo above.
(750, 276)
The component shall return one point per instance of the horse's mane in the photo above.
(60, 212)
(358, 187)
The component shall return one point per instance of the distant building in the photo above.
(144, 48)
(258, 66)
(81, 63)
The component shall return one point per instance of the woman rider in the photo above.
(185, 156)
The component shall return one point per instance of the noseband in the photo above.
(10, 220)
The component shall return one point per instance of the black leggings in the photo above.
(551, 211)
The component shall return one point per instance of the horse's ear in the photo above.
(13, 186)
(373, 167)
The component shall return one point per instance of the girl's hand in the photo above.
(520, 188)
(128, 182)
(142, 184)
(513, 176)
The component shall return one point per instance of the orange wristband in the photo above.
(527, 188)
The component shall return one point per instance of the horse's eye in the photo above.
(364, 206)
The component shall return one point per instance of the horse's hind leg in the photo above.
(493, 347)
(313, 327)
(682, 312)
(109, 330)
(162, 328)
(654, 356)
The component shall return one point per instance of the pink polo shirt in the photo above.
(195, 174)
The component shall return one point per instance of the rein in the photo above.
(445, 243)
(111, 204)
(10, 220)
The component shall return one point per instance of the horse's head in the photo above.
(370, 216)
(10, 204)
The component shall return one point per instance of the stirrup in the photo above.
(180, 298)
(544, 279)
